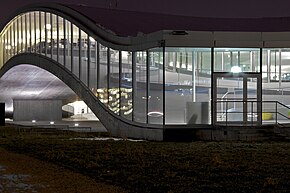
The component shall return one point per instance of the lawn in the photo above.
(160, 166)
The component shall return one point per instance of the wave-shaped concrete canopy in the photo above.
(154, 76)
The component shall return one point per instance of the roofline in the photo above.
(160, 38)
(88, 25)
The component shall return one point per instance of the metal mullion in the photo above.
(17, 32)
(45, 33)
(10, 32)
(133, 82)
(26, 46)
(64, 42)
(40, 38)
(259, 89)
(4, 47)
(98, 64)
(21, 23)
(245, 96)
(72, 48)
(213, 90)
(30, 29)
(147, 85)
(14, 39)
(57, 39)
(80, 57)
(51, 36)
(108, 73)
(35, 33)
(163, 92)
(89, 60)
(120, 80)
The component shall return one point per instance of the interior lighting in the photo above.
(33, 121)
(48, 26)
(155, 114)
(76, 124)
(51, 122)
(236, 69)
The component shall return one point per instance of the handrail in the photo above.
(236, 116)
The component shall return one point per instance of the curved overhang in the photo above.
(116, 125)
(103, 36)
(165, 29)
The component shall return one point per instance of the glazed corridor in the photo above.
(158, 86)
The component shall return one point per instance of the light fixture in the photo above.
(51, 122)
(76, 124)
(236, 69)
(33, 121)
(48, 26)
(155, 114)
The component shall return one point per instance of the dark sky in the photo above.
(202, 8)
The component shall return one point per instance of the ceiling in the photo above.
(31, 82)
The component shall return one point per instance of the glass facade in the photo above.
(158, 86)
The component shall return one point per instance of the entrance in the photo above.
(236, 98)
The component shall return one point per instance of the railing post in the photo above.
(276, 112)
(226, 113)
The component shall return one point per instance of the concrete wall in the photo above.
(40, 110)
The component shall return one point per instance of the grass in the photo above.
(161, 166)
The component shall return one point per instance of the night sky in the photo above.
(202, 8)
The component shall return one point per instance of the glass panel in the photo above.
(187, 88)
(140, 93)
(75, 47)
(37, 30)
(7, 46)
(237, 59)
(42, 33)
(32, 31)
(229, 99)
(24, 32)
(114, 96)
(252, 98)
(276, 75)
(48, 33)
(21, 33)
(62, 41)
(19, 37)
(54, 36)
(68, 45)
(103, 73)
(84, 58)
(12, 39)
(28, 32)
(126, 86)
(93, 65)
(155, 95)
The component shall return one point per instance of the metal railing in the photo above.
(251, 113)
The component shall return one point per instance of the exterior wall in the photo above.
(39, 110)
(144, 89)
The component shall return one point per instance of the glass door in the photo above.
(236, 99)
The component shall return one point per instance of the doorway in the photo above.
(236, 99)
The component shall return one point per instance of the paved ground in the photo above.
(76, 125)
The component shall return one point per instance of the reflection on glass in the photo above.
(75, 47)
(248, 59)
(140, 93)
(84, 57)
(103, 75)
(126, 86)
(155, 95)
(186, 86)
(114, 93)
(93, 65)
